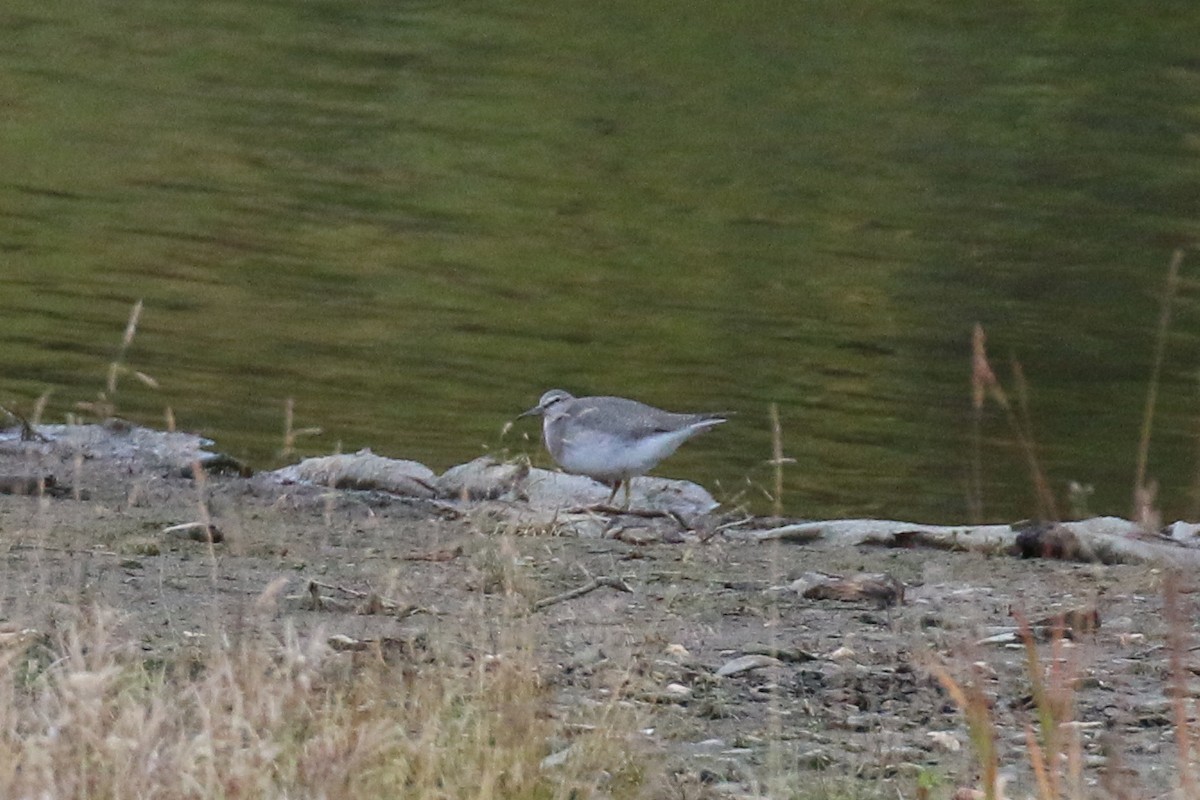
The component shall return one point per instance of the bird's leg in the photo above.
(615, 487)
(628, 489)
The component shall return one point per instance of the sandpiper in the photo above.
(612, 439)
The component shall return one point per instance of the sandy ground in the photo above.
(852, 696)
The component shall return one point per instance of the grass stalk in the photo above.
(265, 715)
(1023, 427)
(777, 460)
(985, 384)
(104, 407)
(290, 432)
(972, 701)
(1160, 344)
(1194, 510)
(1177, 647)
(981, 377)
(115, 367)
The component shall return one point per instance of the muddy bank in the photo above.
(733, 668)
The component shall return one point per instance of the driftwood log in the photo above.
(1108, 540)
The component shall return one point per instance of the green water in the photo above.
(414, 217)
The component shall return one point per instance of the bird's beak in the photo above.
(533, 412)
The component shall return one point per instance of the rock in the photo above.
(639, 536)
(816, 759)
(945, 741)
(790, 654)
(485, 478)
(708, 746)
(583, 660)
(558, 490)
(560, 758)
(677, 652)
(1007, 636)
(115, 442)
(1184, 532)
(364, 471)
(196, 531)
(747, 663)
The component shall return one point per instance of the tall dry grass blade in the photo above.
(777, 458)
(981, 729)
(1145, 507)
(1041, 487)
(1194, 510)
(985, 383)
(1037, 762)
(292, 433)
(39, 407)
(1075, 765)
(981, 377)
(1048, 720)
(1178, 626)
(289, 436)
(1160, 345)
(127, 339)
(1053, 691)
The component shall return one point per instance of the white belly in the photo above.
(610, 458)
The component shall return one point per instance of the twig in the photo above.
(445, 554)
(342, 589)
(28, 434)
(70, 550)
(370, 597)
(591, 586)
(720, 529)
(604, 508)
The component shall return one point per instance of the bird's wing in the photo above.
(636, 419)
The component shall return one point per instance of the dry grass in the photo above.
(985, 384)
(1143, 495)
(1054, 753)
(85, 714)
(291, 433)
(104, 407)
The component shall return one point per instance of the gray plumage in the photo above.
(612, 439)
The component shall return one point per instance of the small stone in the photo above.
(944, 741)
(747, 663)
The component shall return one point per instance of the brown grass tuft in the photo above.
(85, 714)
(985, 384)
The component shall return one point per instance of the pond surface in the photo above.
(412, 218)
